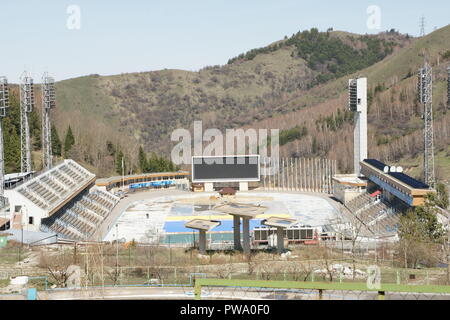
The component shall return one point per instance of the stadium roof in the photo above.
(402, 186)
(50, 190)
(279, 222)
(241, 209)
(200, 224)
(413, 183)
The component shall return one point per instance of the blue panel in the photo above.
(226, 225)
(395, 192)
(31, 294)
(151, 184)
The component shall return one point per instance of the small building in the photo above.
(227, 192)
(197, 187)
(347, 187)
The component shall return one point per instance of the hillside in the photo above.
(295, 83)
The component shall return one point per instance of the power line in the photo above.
(422, 26)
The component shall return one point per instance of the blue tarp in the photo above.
(153, 184)
(227, 225)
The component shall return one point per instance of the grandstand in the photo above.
(395, 184)
(80, 218)
(62, 200)
(377, 214)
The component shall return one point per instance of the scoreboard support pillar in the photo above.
(237, 232)
(280, 240)
(246, 235)
(209, 187)
(202, 242)
(243, 186)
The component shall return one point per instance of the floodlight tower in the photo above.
(4, 104)
(425, 86)
(48, 103)
(357, 102)
(422, 26)
(26, 106)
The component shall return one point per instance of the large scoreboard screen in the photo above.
(226, 169)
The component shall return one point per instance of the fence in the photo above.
(298, 174)
(251, 289)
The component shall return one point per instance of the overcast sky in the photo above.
(133, 36)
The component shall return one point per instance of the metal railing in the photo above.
(320, 287)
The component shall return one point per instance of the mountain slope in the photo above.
(300, 81)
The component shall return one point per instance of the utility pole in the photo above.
(4, 104)
(123, 176)
(422, 26)
(117, 250)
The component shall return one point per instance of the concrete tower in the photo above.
(358, 103)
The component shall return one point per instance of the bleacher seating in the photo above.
(379, 217)
(359, 202)
(53, 187)
(81, 218)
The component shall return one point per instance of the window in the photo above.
(30, 220)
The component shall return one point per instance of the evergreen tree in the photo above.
(69, 141)
(35, 129)
(11, 143)
(153, 163)
(119, 159)
(142, 160)
(314, 145)
(11, 136)
(56, 142)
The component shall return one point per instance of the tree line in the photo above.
(68, 147)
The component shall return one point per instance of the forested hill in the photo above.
(297, 84)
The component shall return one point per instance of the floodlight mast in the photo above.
(48, 103)
(357, 103)
(26, 106)
(425, 86)
(4, 104)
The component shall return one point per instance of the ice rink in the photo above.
(147, 220)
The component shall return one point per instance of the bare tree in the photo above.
(57, 265)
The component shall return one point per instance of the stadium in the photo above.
(67, 203)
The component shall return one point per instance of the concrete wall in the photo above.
(28, 209)
(31, 236)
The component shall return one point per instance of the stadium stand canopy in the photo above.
(62, 200)
(399, 184)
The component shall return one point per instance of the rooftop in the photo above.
(349, 179)
(279, 222)
(400, 176)
(200, 224)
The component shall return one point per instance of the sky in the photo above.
(81, 37)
